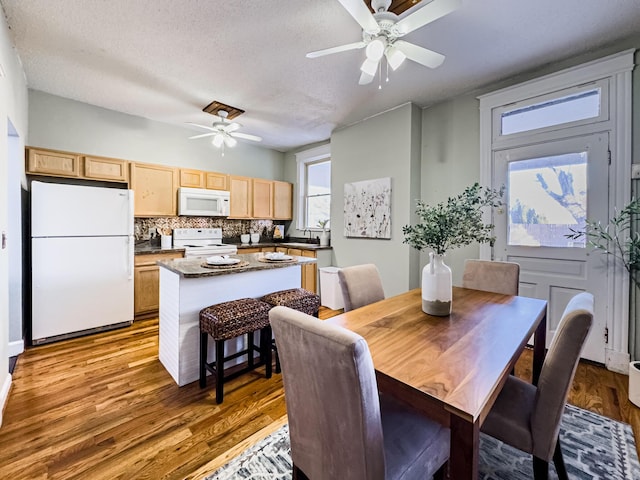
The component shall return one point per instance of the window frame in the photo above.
(308, 157)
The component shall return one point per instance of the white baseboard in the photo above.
(4, 395)
(617, 361)
(16, 348)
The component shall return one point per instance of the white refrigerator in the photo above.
(81, 260)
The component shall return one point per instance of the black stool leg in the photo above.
(250, 346)
(219, 370)
(265, 349)
(203, 359)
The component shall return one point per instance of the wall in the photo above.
(386, 145)
(63, 124)
(13, 115)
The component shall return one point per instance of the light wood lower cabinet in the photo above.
(146, 282)
(309, 270)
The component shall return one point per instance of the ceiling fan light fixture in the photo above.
(395, 57)
(217, 140)
(376, 48)
(370, 67)
(229, 141)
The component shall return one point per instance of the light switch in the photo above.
(635, 171)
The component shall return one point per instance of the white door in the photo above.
(552, 187)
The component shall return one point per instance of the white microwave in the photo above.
(199, 202)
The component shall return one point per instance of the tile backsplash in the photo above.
(145, 228)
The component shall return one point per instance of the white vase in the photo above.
(437, 290)
(324, 239)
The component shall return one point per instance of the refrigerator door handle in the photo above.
(130, 257)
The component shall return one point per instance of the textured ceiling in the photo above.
(166, 59)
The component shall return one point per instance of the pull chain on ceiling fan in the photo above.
(381, 33)
(224, 133)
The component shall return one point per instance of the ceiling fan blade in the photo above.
(201, 126)
(341, 48)
(361, 14)
(246, 136)
(231, 127)
(427, 14)
(425, 57)
(365, 79)
(202, 135)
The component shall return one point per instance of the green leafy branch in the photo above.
(454, 223)
(616, 238)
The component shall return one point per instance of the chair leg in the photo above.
(441, 473)
(203, 359)
(540, 469)
(219, 370)
(558, 461)
(265, 349)
(298, 474)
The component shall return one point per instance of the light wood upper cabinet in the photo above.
(241, 200)
(282, 200)
(191, 178)
(216, 181)
(155, 188)
(50, 162)
(262, 198)
(99, 168)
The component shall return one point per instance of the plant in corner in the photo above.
(447, 225)
(617, 238)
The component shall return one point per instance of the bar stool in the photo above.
(296, 299)
(228, 320)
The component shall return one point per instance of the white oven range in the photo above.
(201, 242)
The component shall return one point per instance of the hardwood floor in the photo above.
(103, 407)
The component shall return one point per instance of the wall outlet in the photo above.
(635, 171)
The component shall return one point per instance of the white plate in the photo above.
(277, 257)
(216, 260)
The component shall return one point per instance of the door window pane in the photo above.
(567, 109)
(547, 196)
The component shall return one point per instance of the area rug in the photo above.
(594, 448)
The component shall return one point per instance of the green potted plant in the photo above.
(447, 225)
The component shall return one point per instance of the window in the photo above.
(314, 179)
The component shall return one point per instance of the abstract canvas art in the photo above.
(367, 208)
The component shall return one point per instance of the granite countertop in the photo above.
(192, 267)
(145, 248)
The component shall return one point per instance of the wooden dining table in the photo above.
(451, 368)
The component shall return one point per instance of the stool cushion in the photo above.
(231, 319)
(296, 298)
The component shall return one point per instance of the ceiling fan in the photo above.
(224, 132)
(381, 32)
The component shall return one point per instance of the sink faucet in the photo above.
(304, 233)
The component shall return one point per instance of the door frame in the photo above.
(617, 70)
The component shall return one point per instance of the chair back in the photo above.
(557, 373)
(332, 399)
(361, 285)
(489, 276)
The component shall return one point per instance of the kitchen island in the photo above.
(186, 287)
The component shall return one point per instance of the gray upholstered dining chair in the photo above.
(339, 426)
(361, 285)
(528, 417)
(490, 276)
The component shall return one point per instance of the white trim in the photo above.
(302, 159)
(618, 69)
(16, 348)
(4, 395)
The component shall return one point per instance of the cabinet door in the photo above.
(268, 249)
(191, 178)
(240, 190)
(48, 162)
(155, 190)
(282, 201)
(146, 281)
(262, 198)
(309, 272)
(111, 169)
(216, 181)
(249, 250)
